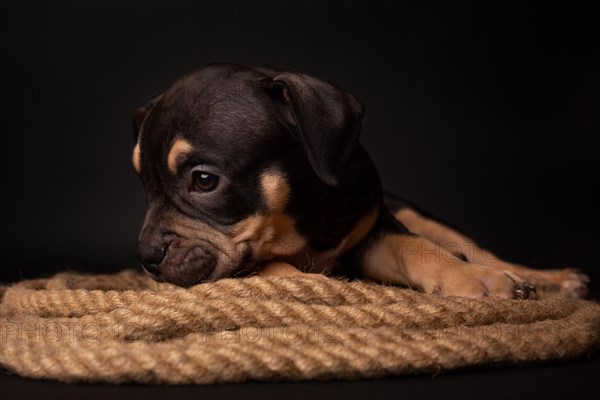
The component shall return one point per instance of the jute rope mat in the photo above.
(128, 328)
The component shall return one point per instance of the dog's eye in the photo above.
(205, 181)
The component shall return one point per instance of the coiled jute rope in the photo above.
(127, 328)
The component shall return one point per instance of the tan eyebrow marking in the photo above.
(276, 190)
(135, 158)
(180, 148)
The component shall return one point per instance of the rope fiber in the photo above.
(127, 328)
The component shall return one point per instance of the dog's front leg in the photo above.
(408, 259)
(278, 268)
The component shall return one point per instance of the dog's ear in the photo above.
(328, 121)
(139, 116)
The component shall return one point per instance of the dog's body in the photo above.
(252, 169)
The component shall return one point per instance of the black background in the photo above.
(485, 115)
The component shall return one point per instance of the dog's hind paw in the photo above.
(570, 280)
(576, 284)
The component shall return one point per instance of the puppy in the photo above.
(250, 169)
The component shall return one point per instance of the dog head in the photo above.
(222, 153)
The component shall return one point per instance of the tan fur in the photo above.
(272, 233)
(361, 230)
(435, 231)
(179, 149)
(279, 268)
(276, 190)
(323, 262)
(569, 279)
(448, 238)
(282, 268)
(421, 264)
(136, 158)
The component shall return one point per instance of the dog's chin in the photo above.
(188, 269)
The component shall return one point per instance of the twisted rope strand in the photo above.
(152, 320)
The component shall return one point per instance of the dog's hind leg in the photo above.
(462, 246)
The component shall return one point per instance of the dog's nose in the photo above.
(150, 256)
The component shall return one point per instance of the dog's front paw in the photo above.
(478, 281)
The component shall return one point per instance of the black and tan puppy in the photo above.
(252, 169)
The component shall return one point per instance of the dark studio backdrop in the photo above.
(485, 115)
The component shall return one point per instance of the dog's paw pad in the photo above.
(577, 287)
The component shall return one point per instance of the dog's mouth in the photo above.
(188, 269)
(188, 265)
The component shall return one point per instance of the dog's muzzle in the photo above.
(180, 263)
